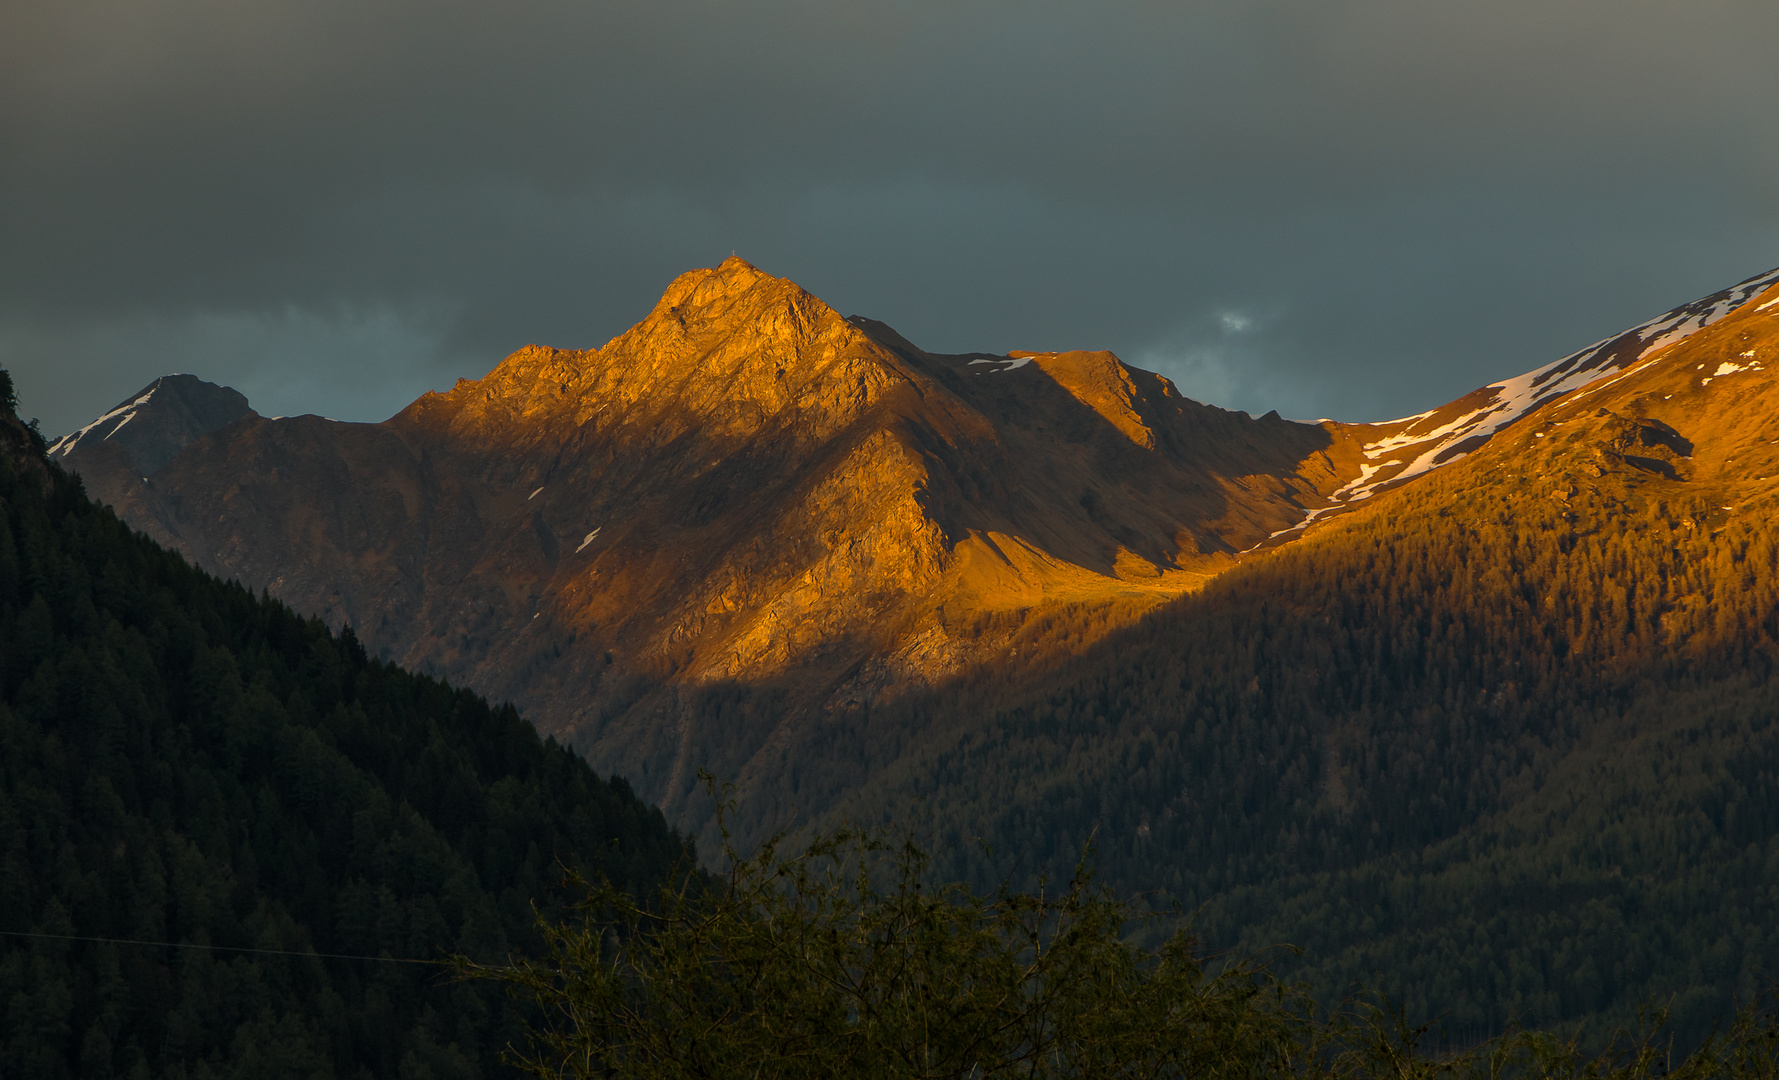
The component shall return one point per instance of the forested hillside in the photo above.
(1503, 744)
(183, 762)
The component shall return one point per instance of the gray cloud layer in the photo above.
(1355, 209)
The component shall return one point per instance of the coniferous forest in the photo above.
(1507, 751)
(184, 763)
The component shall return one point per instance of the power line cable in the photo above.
(223, 948)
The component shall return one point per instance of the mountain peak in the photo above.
(152, 425)
(717, 288)
(728, 350)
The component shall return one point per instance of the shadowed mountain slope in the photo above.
(226, 833)
(148, 429)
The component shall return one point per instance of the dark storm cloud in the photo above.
(1350, 209)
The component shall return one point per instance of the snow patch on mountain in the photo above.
(1504, 402)
(1452, 432)
(1729, 367)
(1350, 491)
(105, 426)
(1011, 363)
(1309, 516)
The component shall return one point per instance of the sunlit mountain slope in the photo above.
(746, 496)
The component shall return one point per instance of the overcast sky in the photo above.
(1349, 209)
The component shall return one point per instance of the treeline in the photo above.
(1421, 745)
(182, 762)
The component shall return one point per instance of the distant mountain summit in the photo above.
(117, 453)
(152, 425)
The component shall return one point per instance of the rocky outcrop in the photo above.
(21, 449)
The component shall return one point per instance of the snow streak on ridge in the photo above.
(111, 423)
(1416, 445)
(1444, 435)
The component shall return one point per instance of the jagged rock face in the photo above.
(743, 489)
